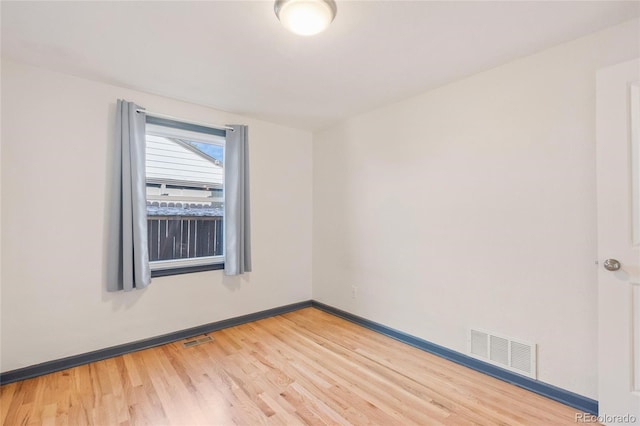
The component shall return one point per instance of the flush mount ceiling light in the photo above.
(305, 17)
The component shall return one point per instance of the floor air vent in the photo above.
(195, 342)
(512, 354)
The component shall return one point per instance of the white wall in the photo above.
(57, 138)
(474, 205)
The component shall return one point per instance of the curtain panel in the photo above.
(237, 223)
(128, 252)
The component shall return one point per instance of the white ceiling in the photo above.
(235, 56)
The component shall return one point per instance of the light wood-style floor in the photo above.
(304, 367)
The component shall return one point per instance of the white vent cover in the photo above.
(512, 354)
(479, 344)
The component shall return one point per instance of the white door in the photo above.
(618, 173)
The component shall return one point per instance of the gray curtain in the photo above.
(237, 226)
(128, 256)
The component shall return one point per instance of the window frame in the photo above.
(186, 131)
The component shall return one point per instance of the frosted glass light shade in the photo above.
(305, 17)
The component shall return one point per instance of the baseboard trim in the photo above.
(563, 396)
(99, 355)
(579, 402)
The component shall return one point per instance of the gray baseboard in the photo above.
(579, 402)
(76, 360)
(566, 397)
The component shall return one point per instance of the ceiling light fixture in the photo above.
(305, 17)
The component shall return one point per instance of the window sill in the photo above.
(186, 270)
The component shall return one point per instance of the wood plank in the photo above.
(303, 367)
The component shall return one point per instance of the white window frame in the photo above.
(171, 132)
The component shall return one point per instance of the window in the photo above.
(185, 202)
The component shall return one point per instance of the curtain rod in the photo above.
(170, 117)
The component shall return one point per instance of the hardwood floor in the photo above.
(304, 367)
